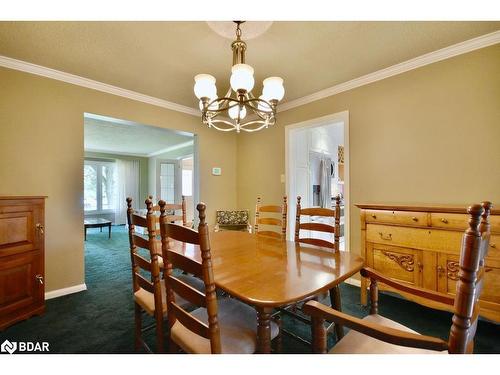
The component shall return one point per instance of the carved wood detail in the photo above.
(406, 261)
(452, 269)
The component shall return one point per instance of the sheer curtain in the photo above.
(128, 186)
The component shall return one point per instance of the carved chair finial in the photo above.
(475, 211)
(201, 207)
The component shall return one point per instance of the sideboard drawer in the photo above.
(417, 238)
(460, 221)
(397, 217)
(449, 221)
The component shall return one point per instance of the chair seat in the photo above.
(358, 343)
(238, 330)
(147, 300)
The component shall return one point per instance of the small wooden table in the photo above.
(269, 273)
(97, 223)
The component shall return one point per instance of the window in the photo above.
(187, 176)
(187, 182)
(167, 182)
(100, 186)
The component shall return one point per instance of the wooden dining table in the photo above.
(268, 273)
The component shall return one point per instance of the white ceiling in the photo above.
(160, 59)
(124, 137)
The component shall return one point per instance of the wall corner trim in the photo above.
(417, 62)
(58, 75)
(64, 291)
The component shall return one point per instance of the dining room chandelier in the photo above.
(228, 113)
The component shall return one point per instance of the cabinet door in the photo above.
(21, 229)
(448, 267)
(447, 272)
(398, 263)
(20, 287)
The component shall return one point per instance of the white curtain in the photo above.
(325, 190)
(128, 186)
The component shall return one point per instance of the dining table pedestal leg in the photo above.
(264, 329)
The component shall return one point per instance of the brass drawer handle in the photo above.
(388, 237)
(493, 245)
(414, 218)
(443, 220)
(440, 270)
(374, 216)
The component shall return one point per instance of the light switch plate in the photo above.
(216, 171)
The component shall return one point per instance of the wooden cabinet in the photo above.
(21, 258)
(421, 246)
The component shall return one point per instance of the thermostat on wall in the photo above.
(216, 171)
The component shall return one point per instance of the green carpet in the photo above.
(100, 320)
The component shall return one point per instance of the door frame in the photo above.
(289, 167)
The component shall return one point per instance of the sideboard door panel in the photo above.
(401, 264)
(19, 286)
(17, 232)
(447, 273)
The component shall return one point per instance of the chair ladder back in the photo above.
(151, 266)
(466, 308)
(174, 285)
(280, 222)
(319, 227)
(138, 262)
(173, 207)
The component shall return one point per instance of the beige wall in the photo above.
(426, 136)
(431, 135)
(41, 153)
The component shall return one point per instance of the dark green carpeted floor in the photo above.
(100, 320)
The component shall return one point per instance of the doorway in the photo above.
(317, 167)
(126, 159)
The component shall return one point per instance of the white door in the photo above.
(299, 141)
(168, 181)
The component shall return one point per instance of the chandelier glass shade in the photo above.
(227, 113)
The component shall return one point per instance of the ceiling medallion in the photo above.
(245, 103)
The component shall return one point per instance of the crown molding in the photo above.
(429, 58)
(39, 70)
(111, 152)
(171, 148)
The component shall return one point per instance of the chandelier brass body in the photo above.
(264, 111)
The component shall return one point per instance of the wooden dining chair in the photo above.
(377, 334)
(217, 326)
(272, 217)
(332, 231)
(173, 215)
(149, 294)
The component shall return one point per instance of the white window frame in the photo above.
(99, 164)
(177, 178)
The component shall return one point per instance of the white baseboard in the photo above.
(353, 281)
(64, 291)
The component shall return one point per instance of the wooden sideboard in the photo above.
(420, 245)
(21, 258)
